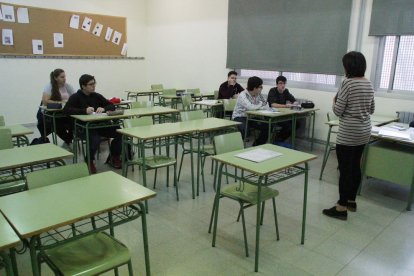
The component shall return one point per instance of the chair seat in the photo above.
(89, 255)
(156, 161)
(249, 193)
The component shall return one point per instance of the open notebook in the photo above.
(404, 135)
(258, 155)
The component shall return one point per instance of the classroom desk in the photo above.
(283, 114)
(390, 159)
(33, 155)
(8, 241)
(376, 120)
(95, 121)
(37, 211)
(207, 96)
(213, 106)
(193, 128)
(19, 132)
(150, 93)
(264, 173)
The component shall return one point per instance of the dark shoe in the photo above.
(116, 162)
(351, 206)
(92, 167)
(333, 213)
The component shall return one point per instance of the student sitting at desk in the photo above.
(87, 101)
(56, 91)
(280, 97)
(230, 88)
(251, 99)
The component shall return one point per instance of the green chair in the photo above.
(2, 122)
(10, 181)
(167, 102)
(206, 150)
(187, 101)
(89, 255)
(329, 146)
(141, 104)
(228, 105)
(151, 162)
(245, 194)
(157, 87)
(195, 93)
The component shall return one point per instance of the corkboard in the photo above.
(77, 42)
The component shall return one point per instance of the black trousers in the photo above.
(95, 140)
(349, 162)
(262, 127)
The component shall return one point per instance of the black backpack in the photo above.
(40, 140)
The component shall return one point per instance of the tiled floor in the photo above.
(376, 240)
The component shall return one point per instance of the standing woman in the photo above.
(353, 104)
(57, 91)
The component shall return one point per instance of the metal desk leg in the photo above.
(8, 263)
(141, 149)
(305, 198)
(192, 164)
(293, 134)
(145, 238)
(313, 129)
(88, 146)
(258, 218)
(217, 203)
(198, 161)
(33, 256)
(269, 130)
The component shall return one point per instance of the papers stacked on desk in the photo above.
(407, 134)
(258, 155)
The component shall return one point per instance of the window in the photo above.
(328, 80)
(396, 68)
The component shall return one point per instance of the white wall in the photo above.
(22, 80)
(187, 47)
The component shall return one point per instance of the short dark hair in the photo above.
(281, 78)
(354, 64)
(84, 79)
(254, 82)
(232, 73)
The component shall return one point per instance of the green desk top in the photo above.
(376, 120)
(170, 97)
(18, 130)
(8, 237)
(135, 112)
(173, 129)
(39, 210)
(31, 155)
(288, 159)
(149, 91)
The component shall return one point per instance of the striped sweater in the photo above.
(354, 104)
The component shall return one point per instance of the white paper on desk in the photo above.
(98, 29)
(74, 21)
(37, 46)
(7, 37)
(124, 49)
(265, 111)
(375, 129)
(58, 40)
(404, 135)
(207, 102)
(23, 15)
(87, 23)
(117, 38)
(258, 155)
(99, 114)
(108, 34)
(8, 13)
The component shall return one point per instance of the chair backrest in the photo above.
(229, 104)
(157, 87)
(5, 139)
(2, 122)
(141, 104)
(331, 116)
(191, 115)
(169, 92)
(216, 94)
(135, 122)
(195, 91)
(405, 117)
(186, 100)
(55, 175)
(228, 142)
